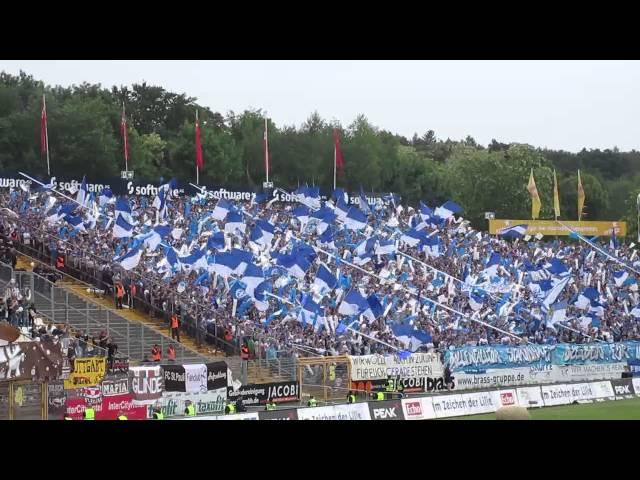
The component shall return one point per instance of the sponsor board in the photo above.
(378, 367)
(636, 385)
(529, 397)
(504, 398)
(355, 411)
(108, 408)
(387, 410)
(622, 387)
(258, 394)
(239, 416)
(146, 384)
(418, 408)
(217, 375)
(87, 372)
(572, 373)
(577, 392)
(174, 403)
(551, 227)
(288, 414)
(602, 390)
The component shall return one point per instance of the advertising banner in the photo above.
(355, 411)
(418, 408)
(115, 385)
(107, 408)
(287, 414)
(258, 394)
(530, 397)
(386, 410)
(551, 227)
(217, 375)
(378, 367)
(623, 388)
(173, 404)
(86, 372)
(195, 378)
(118, 365)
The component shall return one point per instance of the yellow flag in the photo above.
(535, 198)
(580, 197)
(556, 197)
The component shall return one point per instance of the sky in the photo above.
(556, 104)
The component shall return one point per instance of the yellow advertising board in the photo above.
(87, 372)
(553, 228)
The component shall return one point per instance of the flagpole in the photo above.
(335, 165)
(46, 132)
(125, 135)
(266, 148)
(197, 169)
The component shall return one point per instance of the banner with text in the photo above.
(378, 367)
(86, 372)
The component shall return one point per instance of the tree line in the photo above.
(84, 138)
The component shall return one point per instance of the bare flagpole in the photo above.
(197, 169)
(335, 165)
(46, 132)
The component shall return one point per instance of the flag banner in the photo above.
(339, 159)
(581, 197)
(535, 198)
(556, 196)
(551, 227)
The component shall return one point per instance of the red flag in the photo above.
(338, 151)
(199, 159)
(125, 136)
(266, 149)
(43, 129)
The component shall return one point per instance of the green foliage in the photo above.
(84, 138)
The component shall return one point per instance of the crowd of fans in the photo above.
(512, 295)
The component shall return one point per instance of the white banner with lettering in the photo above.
(355, 411)
(378, 367)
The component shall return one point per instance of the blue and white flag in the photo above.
(266, 233)
(431, 246)
(105, 197)
(76, 221)
(123, 208)
(517, 231)
(411, 338)
(555, 291)
(355, 219)
(216, 241)
(122, 228)
(366, 246)
(131, 259)
(310, 313)
(556, 267)
(234, 222)
(558, 313)
(325, 280)
(342, 209)
(425, 212)
(492, 265)
(339, 194)
(386, 247)
(476, 302)
(585, 297)
(156, 236)
(309, 196)
(353, 304)
(164, 191)
(302, 214)
(635, 312)
(295, 265)
(375, 308)
(447, 210)
(326, 239)
(83, 194)
(413, 237)
(224, 264)
(222, 208)
(363, 204)
(195, 260)
(620, 277)
(252, 277)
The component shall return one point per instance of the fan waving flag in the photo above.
(517, 231)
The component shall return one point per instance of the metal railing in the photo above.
(80, 267)
(62, 307)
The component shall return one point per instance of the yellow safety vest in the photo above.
(159, 416)
(313, 402)
(271, 406)
(90, 414)
(232, 408)
(123, 417)
(380, 396)
(191, 411)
